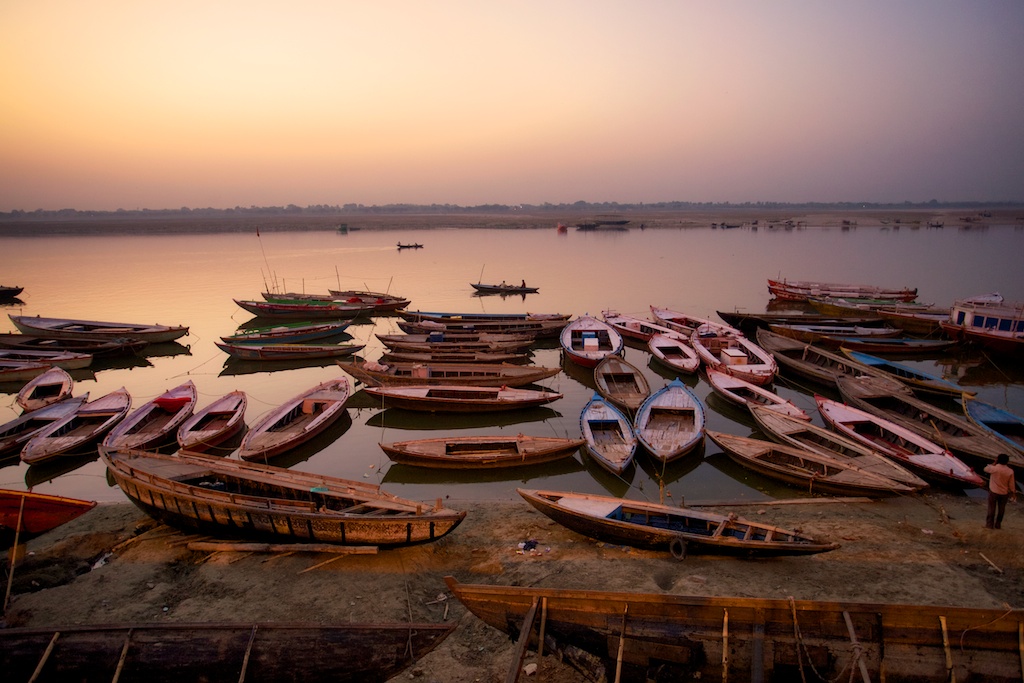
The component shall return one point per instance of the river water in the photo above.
(191, 279)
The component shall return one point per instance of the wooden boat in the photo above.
(481, 375)
(295, 421)
(10, 292)
(802, 290)
(687, 324)
(1003, 424)
(674, 352)
(665, 527)
(213, 425)
(989, 322)
(749, 322)
(923, 457)
(811, 470)
(410, 245)
(381, 301)
(587, 341)
(17, 432)
(20, 371)
(68, 360)
(633, 327)
(893, 345)
(670, 422)
(94, 347)
(854, 305)
(287, 333)
(791, 431)
(25, 515)
(465, 317)
(453, 398)
(78, 430)
(503, 289)
(735, 355)
(50, 387)
(217, 652)
(916, 379)
(823, 334)
(154, 423)
(609, 435)
(641, 635)
(950, 430)
(302, 310)
(471, 341)
(807, 360)
(431, 356)
(68, 328)
(621, 383)
(538, 329)
(742, 393)
(223, 497)
(273, 352)
(481, 452)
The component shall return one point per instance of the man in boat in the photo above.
(523, 286)
(1001, 485)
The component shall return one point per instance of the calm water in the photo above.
(192, 279)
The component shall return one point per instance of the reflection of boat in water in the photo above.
(252, 367)
(407, 474)
(396, 418)
(49, 470)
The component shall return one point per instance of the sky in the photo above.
(131, 104)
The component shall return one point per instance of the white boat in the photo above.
(50, 387)
(69, 328)
(587, 340)
(609, 435)
(674, 351)
(742, 393)
(735, 355)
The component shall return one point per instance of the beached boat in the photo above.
(670, 422)
(68, 328)
(20, 371)
(154, 423)
(640, 636)
(1003, 424)
(474, 374)
(633, 327)
(587, 341)
(481, 452)
(687, 324)
(223, 497)
(295, 421)
(68, 360)
(802, 290)
(433, 356)
(742, 393)
(94, 347)
(273, 352)
(226, 652)
(25, 515)
(78, 430)
(621, 383)
(609, 435)
(807, 360)
(17, 432)
(811, 470)
(50, 387)
(665, 527)
(503, 288)
(988, 322)
(734, 355)
(214, 424)
(923, 457)
(674, 351)
(287, 333)
(471, 341)
(452, 398)
(791, 431)
(296, 309)
(916, 379)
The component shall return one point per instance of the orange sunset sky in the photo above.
(133, 104)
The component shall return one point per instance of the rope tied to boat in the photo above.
(801, 647)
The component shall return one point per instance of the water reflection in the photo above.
(43, 472)
(407, 474)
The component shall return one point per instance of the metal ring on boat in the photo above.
(677, 546)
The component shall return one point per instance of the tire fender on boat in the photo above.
(677, 546)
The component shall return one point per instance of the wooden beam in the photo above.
(858, 649)
(42, 660)
(950, 675)
(123, 658)
(524, 640)
(242, 547)
(725, 647)
(248, 652)
(622, 646)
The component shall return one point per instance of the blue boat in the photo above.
(609, 435)
(916, 379)
(1002, 424)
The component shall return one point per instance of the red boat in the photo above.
(34, 514)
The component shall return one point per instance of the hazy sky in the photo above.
(132, 104)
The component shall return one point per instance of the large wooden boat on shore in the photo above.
(224, 497)
(481, 452)
(474, 374)
(25, 515)
(640, 636)
(69, 328)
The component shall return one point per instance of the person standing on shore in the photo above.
(1001, 485)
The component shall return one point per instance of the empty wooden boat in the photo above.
(463, 374)
(298, 309)
(807, 360)
(451, 398)
(462, 316)
(59, 358)
(687, 324)
(674, 352)
(749, 322)
(453, 357)
(744, 394)
(543, 328)
(823, 334)
(621, 383)
(892, 345)
(223, 497)
(78, 430)
(154, 423)
(20, 371)
(950, 430)
(481, 452)
(670, 423)
(587, 341)
(17, 432)
(634, 327)
(295, 421)
(665, 527)
(802, 290)
(1001, 423)
(470, 341)
(917, 379)
(609, 435)
(287, 333)
(225, 652)
(735, 355)
(377, 302)
(811, 470)
(639, 636)
(791, 431)
(94, 347)
(68, 328)
(276, 352)
(42, 390)
(213, 425)
(923, 457)
(25, 515)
